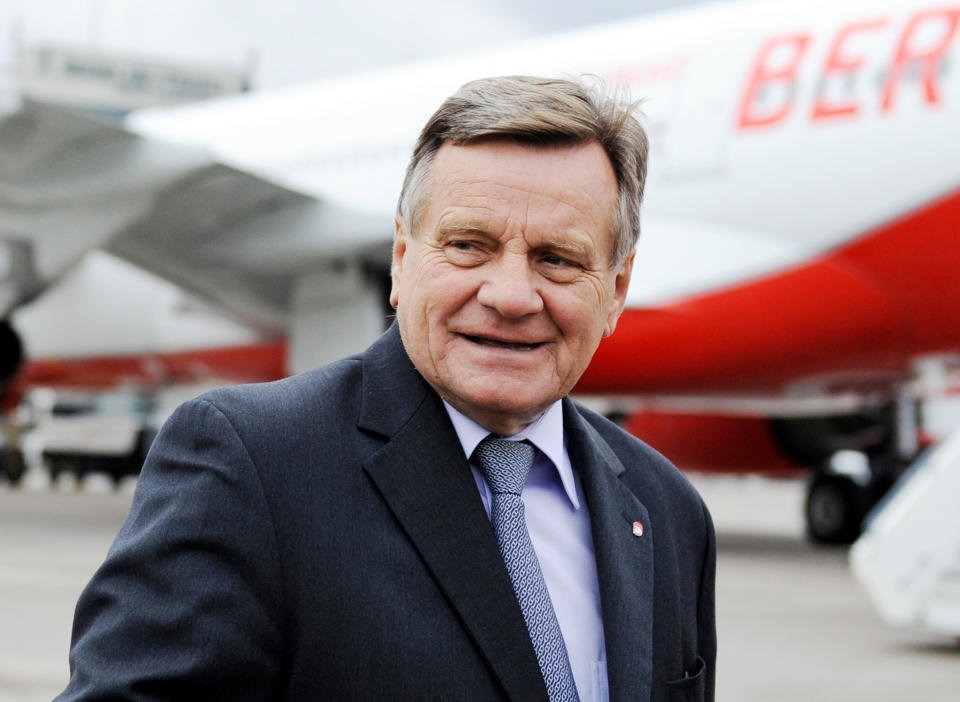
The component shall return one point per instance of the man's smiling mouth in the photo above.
(512, 346)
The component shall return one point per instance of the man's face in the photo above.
(505, 290)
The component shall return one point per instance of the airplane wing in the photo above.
(69, 184)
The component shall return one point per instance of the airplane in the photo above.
(795, 280)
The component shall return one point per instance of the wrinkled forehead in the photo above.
(474, 184)
(579, 175)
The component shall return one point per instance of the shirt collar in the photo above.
(546, 433)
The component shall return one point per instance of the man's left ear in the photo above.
(619, 297)
(396, 264)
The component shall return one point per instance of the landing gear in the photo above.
(857, 457)
(844, 491)
(835, 508)
(12, 465)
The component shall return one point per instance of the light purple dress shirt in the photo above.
(559, 526)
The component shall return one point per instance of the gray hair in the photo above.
(539, 112)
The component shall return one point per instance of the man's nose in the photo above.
(510, 288)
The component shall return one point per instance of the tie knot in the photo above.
(504, 464)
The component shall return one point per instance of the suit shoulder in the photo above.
(621, 441)
(643, 462)
(314, 393)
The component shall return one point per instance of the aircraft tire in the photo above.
(834, 509)
(11, 353)
(13, 466)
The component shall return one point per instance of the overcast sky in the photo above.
(297, 40)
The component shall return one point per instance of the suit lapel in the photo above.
(624, 561)
(425, 479)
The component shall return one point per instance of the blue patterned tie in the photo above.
(505, 465)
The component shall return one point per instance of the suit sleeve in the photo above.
(187, 604)
(706, 609)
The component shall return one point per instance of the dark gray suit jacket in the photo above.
(321, 537)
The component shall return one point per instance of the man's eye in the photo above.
(465, 252)
(552, 260)
(559, 269)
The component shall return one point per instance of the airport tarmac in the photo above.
(793, 624)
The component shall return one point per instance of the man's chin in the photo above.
(504, 409)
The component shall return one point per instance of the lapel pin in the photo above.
(637, 529)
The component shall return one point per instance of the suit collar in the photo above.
(624, 561)
(546, 434)
(392, 388)
(423, 475)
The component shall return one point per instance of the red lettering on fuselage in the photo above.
(839, 64)
(644, 75)
(771, 70)
(928, 58)
(919, 50)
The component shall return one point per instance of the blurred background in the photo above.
(201, 193)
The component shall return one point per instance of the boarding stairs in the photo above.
(908, 558)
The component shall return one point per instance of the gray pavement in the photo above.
(793, 624)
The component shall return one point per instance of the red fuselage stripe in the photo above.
(250, 363)
(858, 313)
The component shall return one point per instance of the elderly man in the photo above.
(432, 519)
